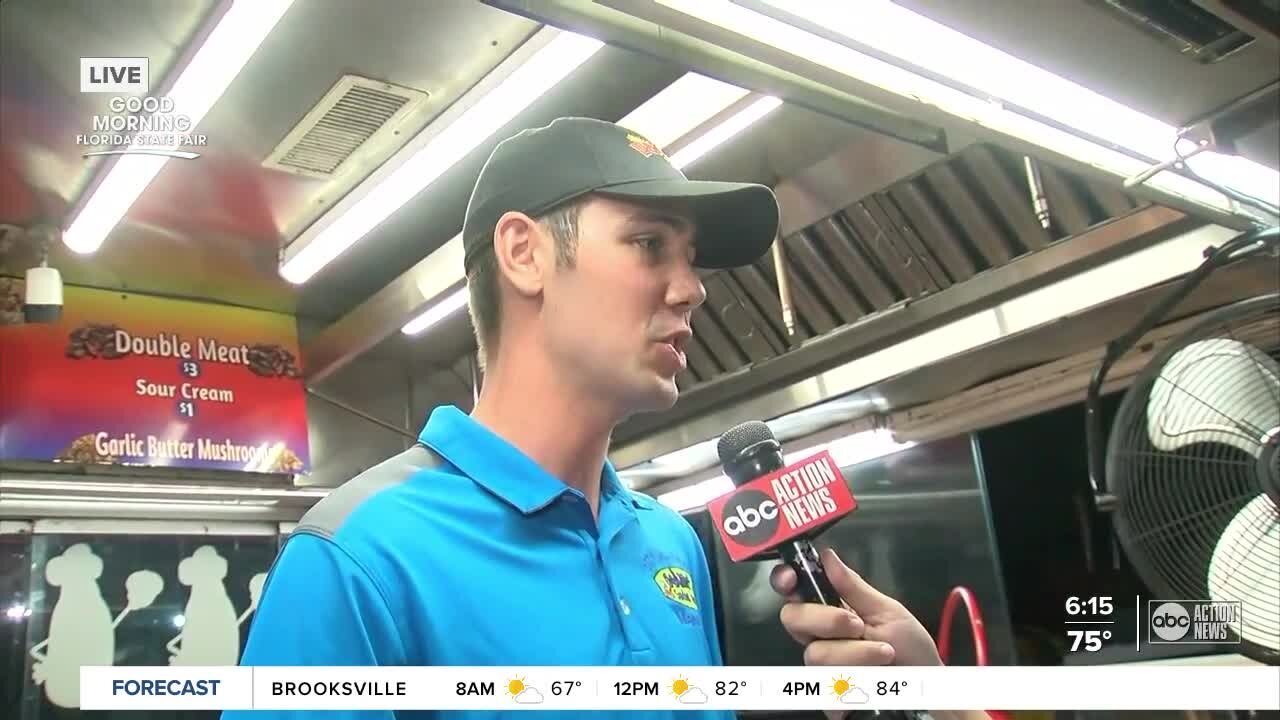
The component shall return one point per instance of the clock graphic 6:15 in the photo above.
(1091, 606)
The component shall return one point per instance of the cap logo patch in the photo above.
(643, 146)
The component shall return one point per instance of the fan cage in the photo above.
(1173, 504)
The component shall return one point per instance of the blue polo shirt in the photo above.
(463, 551)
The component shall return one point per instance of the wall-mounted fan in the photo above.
(1192, 460)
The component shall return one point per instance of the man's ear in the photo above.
(517, 246)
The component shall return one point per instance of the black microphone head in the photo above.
(748, 451)
(739, 438)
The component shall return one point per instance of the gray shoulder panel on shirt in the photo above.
(325, 517)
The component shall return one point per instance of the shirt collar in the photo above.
(503, 469)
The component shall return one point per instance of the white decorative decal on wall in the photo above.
(81, 630)
(210, 628)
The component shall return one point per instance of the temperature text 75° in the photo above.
(1090, 639)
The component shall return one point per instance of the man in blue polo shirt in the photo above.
(504, 537)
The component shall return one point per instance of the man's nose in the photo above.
(686, 289)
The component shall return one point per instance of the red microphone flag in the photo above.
(785, 504)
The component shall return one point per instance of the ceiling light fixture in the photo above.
(847, 451)
(997, 85)
(721, 133)
(226, 50)
(679, 108)
(438, 311)
(155, 489)
(696, 495)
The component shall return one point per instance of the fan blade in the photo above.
(1245, 568)
(1217, 390)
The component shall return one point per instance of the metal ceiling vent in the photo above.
(1206, 30)
(356, 118)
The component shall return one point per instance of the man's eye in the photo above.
(650, 243)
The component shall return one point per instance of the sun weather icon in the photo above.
(843, 688)
(522, 693)
(686, 693)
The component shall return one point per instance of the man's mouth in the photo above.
(677, 342)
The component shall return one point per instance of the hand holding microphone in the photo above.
(775, 510)
(880, 631)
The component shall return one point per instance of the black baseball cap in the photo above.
(538, 169)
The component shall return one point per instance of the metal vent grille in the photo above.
(353, 117)
(957, 219)
(1191, 27)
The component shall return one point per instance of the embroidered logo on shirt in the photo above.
(677, 585)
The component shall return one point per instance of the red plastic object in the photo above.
(962, 594)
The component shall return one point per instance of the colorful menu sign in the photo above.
(140, 380)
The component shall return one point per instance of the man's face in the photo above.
(618, 320)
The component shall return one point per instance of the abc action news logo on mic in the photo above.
(782, 505)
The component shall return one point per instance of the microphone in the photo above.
(776, 509)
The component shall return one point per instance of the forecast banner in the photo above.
(680, 688)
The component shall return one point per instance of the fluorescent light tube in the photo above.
(854, 449)
(897, 31)
(721, 133)
(1238, 173)
(111, 488)
(900, 33)
(681, 107)
(687, 459)
(696, 495)
(154, 500)
(846, 451)
(499, 106)
(205, 78)
(914, 39)
(35, 503)
(437, 312)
